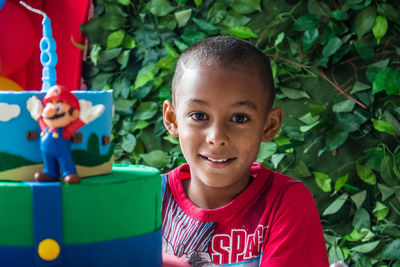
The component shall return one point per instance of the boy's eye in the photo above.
(240, 118)
(198, 116)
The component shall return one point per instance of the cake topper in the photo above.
(48, 55)
(60, 116)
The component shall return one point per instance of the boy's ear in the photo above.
(169, 117)
(273, 124)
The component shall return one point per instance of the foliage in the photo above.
(336, 67)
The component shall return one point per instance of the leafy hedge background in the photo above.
(336, 69)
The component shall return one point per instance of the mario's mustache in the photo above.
(55, 116)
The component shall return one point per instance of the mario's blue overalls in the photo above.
(56, 153)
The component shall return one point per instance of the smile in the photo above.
(55, 116)
(217, 160)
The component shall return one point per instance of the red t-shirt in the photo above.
(273, 222)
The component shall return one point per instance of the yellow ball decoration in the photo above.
(9, 85)
(48, 249)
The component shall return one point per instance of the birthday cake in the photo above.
(71, 207)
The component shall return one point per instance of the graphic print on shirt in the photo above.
(185, 237)
(239, 246)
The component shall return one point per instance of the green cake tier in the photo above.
(122, 204)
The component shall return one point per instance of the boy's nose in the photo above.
(217, 135)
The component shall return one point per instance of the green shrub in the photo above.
(336, 69)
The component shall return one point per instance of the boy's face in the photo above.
(220, 116)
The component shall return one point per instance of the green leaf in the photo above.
(276, 159)
(171, 51)
(380, 28)
(279, 38)
(359, 87)
(246, 6)
(323, 181)
(94, 54)
(205, 26)
(156, 158)
(266, 150)
(332, 46)
(141, 125)
(159, 7)
(123, 58)
(381, 211)
(319, 8)
(383, 126)
(198, 2)
(366, 248)
(353, 236)
(389, 12)
(217, 12)
(171, 139)
(306, 128)
(386, 171)
(344, 106)
(335, 254)
(192, 37)
(128, 143)
(167, 63)
(183, 17)
(181, 45)
(339, 15)
(359, 198)
(306, 22)
(387, 80)
(334, 139)
(242, 32)
(366, 174)
(123, 104)
(301, 170)
(361, 219)
(294, 94)
(394, 123)
(340, 182)
(168, 22)
(115, 39)
(366, 235)
(364, 49)
(129, 42)
(233, 19)
(145, 75)
(309, 38)
(386, 191)
(146, 110)
(124, 2)
(364, 21)
(101, 80)
(392, 251)
(336, 205)
(308, 118)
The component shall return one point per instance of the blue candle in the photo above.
(48, 56)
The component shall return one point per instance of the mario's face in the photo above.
(58, 113)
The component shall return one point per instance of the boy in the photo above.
(221, 208)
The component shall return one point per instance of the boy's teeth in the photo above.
(217, 160)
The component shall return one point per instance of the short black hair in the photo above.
(227, 51)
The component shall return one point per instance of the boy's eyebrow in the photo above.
(197, 101)
(248, 104)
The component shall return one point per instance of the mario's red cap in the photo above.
(63, 94)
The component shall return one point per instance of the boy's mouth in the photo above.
(218, 161)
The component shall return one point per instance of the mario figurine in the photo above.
(61, 116)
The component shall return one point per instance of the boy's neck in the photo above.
(212, 197)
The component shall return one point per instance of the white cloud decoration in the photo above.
(8, 112)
